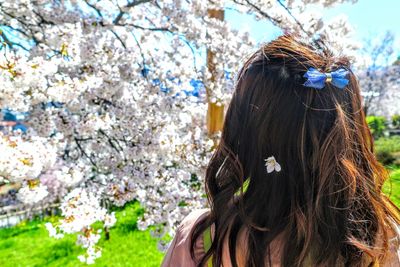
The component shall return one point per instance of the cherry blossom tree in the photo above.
(379, 79)
(117, 93)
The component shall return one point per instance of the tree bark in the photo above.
(215, 113)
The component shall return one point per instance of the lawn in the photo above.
(392, 187)
(29, 245)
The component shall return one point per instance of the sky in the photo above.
(369, 18)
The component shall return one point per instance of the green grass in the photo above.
(388, 150)
(387, 144)
(392, 186)
(29, 245)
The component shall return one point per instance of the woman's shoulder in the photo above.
(178, 253)
(192, 219)
(393, 255)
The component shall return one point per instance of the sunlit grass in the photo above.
(29, 244)
(392, 186)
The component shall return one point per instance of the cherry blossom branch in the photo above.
(129, 5)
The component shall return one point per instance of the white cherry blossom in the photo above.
(272, 165)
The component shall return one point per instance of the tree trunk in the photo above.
(215, 113)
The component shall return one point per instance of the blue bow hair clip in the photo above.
(317, 79)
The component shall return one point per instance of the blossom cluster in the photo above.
(23, 161)
(81, 209)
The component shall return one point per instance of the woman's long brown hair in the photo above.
(327, 203)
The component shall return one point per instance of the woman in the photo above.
(294, 180)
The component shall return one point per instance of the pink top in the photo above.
(178, 254)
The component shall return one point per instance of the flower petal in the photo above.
(277, 167)
(270, 168)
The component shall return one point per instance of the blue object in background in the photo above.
(18, 117)
(20, 126)
(197, 87)
(9, 115)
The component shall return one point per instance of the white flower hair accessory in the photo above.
(272, 165)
